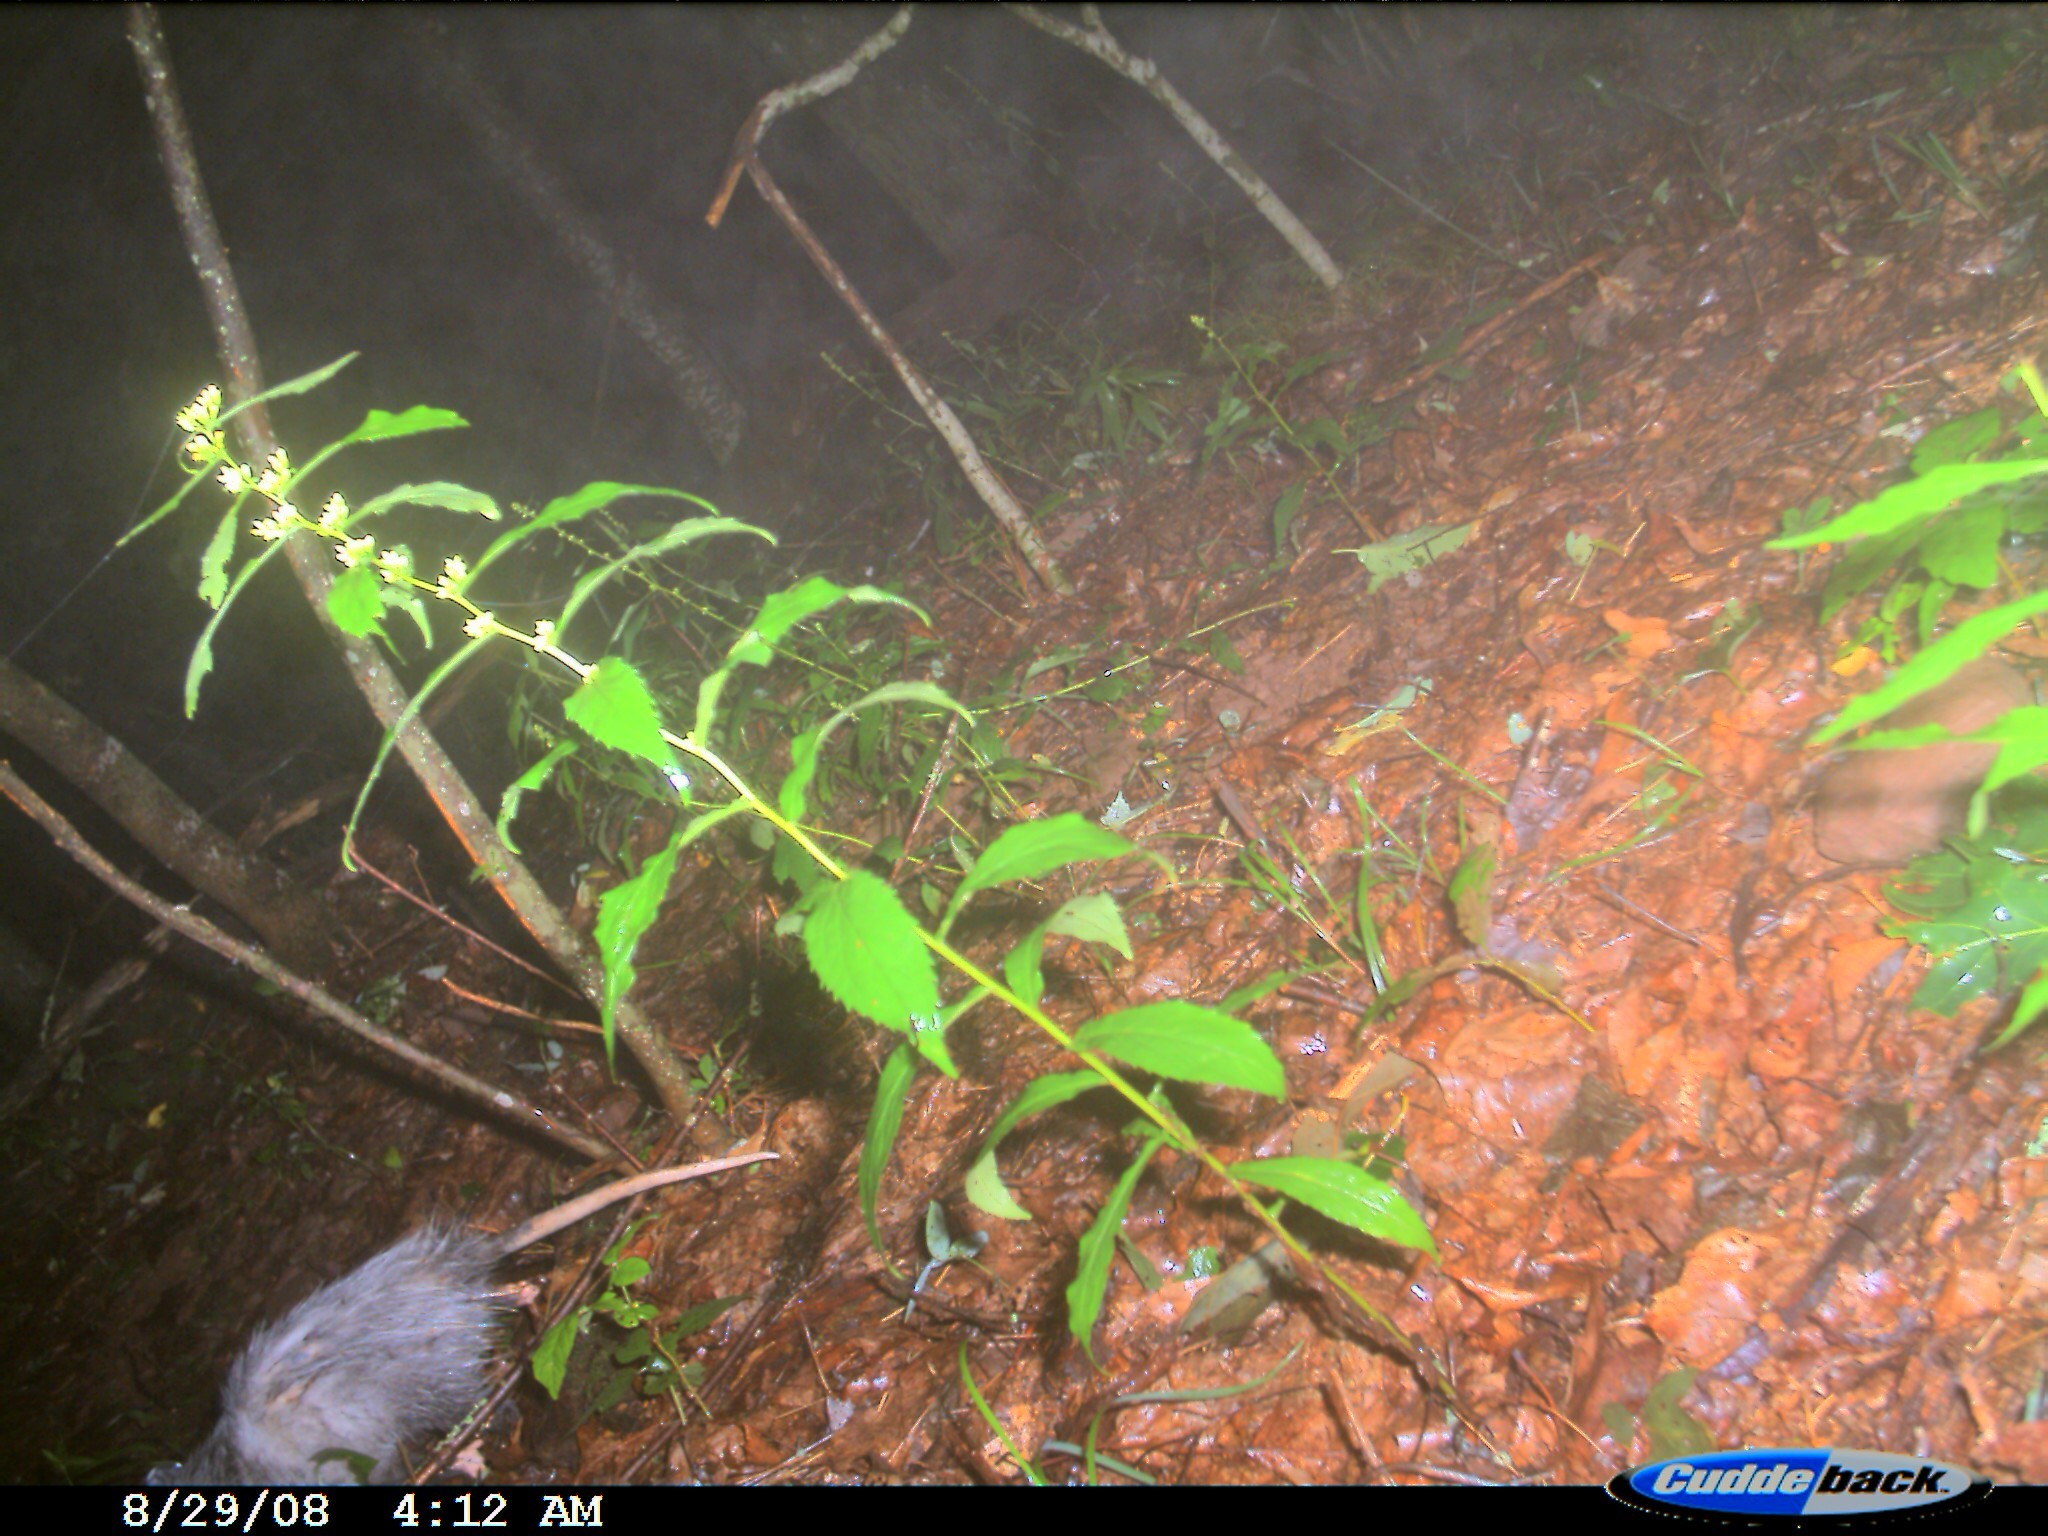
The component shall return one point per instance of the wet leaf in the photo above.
(1345, 1193)
(1098, 1251)
(866, 951)
(1188, 1043)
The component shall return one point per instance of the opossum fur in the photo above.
(393, 1351)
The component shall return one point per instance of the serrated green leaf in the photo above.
(786, 609)
(580, 504)
(867, 952)
(624, 914)
(444, 495)
(1953, 442)
(1406, 553)
(534, 778)
(1345, 1193)
(304, 383)
(792, 796)
(614, 706)
(213, 564)
(1962, 548)
(355, 602)
(1092, 918)
(201, 664)
(1188, 1043)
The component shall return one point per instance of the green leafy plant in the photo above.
(649, 1356)
(1980, 910)
(1922, 540)
(862, 943)
(1949, 519)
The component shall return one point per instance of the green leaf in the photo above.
(534, 778)
(213, 564)
(984, 1185)
(1471, 893)
(1963, 547)
(1955, 441)
(355, 601)
(1092, 918)
(1911, 502)
(304, 383)
(867, 952)
(201, 663)
(1979, 909)
(884, 1120)
(443, 494)
(551, 1354)
(628, 910)
(1933, 666)
(580, 504)
(688, 531)
(1671, 1430)
(1188, 1043)
(696, 1319)
(1284, 512)
(1406, 553)
(614, 706)
(784, 610)
(194, 479)
(381, 426)
(1345, 1193)
(2033, 1000)
(1097, 1251)
(1034, 848)
(792, 798)
(624, 914)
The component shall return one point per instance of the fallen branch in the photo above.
(501, 1103)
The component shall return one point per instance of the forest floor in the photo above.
(1699, 1164)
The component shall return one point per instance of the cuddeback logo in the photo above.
(1796, 1483)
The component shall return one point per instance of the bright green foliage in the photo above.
(1098, 1249)
(1188, 1043)
(884, 1120)
(867, 952)
(1933, 666)
(863, 944)
(1032, 849)
(615, 708)
(1980, 910)
(985, 1187)
(1093, 918)
(648, 1357)
(1343, 1192)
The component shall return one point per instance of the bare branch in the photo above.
(1095, 40)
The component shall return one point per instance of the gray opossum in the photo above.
(393, 1351)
